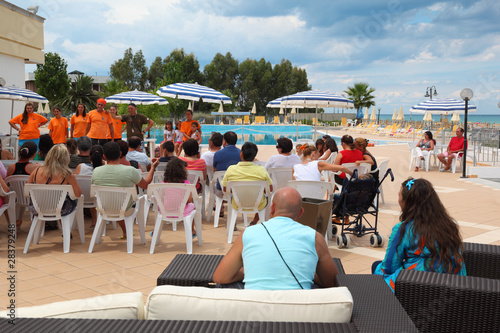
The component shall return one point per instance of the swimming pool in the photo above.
(258, 134)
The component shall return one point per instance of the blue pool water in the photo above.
(258, 134)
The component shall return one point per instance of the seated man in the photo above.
(214, 145)
(246, 170)
(119, 175)
(455, 148)
(279, 253)
(135, 152)
(84, 143)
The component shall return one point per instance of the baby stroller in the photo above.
(358, 199)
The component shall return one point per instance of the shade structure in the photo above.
(366, 116)
(293, 111)
(281, 111)
(20, 94)
(221, 109)
(317, 99)
(442, 106)
(401, 115)
(395, 114)
(428, 116)
(136, 97)
(190, 106)
(193, 92)
(455, 118)
(254, 109)
(373, 116)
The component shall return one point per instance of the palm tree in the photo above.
(112, 87)
(361, 95)
(80, 91)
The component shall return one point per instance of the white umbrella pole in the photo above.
(11, 116)
(316, 123)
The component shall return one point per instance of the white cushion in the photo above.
(117, 306)
(332, 305)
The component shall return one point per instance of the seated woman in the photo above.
(361, 144)
(55, 171)
(310, 168)
(24, 166)
(424, 148)
(44, 145)
(349, 154)
(425, 239)
(96, 158)
(123, 155)
(5, 154)
(331, 147)
(193, 160)
(284, 158)
(320, 146)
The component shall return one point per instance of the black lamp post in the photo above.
(466, 94)
(378, 116)
(429, 91)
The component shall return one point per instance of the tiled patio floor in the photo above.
(45, 274)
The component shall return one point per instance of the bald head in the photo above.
(287, 202)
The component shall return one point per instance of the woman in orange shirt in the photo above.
(79, 121)
(28, 123)
(58, 127)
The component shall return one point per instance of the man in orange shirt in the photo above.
(58, 127)
(186, 125)
(117, 123)
(98, 122)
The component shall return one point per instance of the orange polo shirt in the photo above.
(79, 125)
(58, 130)
(99, 124)
(29, 131)
(117, 129)
(186, 127)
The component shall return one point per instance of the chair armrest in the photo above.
(376, 308)
(482, 260)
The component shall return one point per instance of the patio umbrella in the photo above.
(193, 92)
(373, 116)
(254, 109)
(221, 109)
(366, 116)
(428, 116)
(275, 103)
(316, 99)
(395, 114)
(442, 106)
(281, 111)
(46, 110)
(455, 118)
(190, 107)
(137, 97)
(401, 115)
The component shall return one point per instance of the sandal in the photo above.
(125, 237)
(416, 169)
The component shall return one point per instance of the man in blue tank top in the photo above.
(280, 253)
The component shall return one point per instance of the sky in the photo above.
(398, 47)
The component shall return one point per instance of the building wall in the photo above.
(10, 68)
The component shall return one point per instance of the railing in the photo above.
(486, 145)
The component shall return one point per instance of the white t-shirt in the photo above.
(307, 171)
(282, 161)
(208, 157)
(169, 134)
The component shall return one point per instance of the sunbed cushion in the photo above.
(116, 306)
(333, 305)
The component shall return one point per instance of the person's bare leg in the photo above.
(121, 223)
(93, 213)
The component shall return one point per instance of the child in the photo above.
(196, 133)
(178, 138)
(167, 151)
(176, 172)
(169, 133)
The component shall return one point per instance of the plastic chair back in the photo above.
(161, 166)
(312, 189)
(16, 183)
(280, 177)
(48, 200)
(85, 182)
(113, 202)
(248, 194)
(171, 198)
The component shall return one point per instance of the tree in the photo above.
(222, 72)
(254, 84)
(189, 66)
(155, 73)
(131, 70)
(51, 78)
(80, 92)
(112, 87)
(361, 95)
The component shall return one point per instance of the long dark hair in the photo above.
(429, 134)
(432, 225)
(348, 140)
(96, 154)
(24, 120)
(84, 113)
(175, 171)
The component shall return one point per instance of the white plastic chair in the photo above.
(316, 189)
(161, 166)
(10, 208)
(226, 196)
(16, 183)
(195, 176)
(280, 177)
(327, 173)
(48, 201)
(247, 196)
(414, 159)
(112, 203)
(411, 146)
(171, 199)
(363, 168)
(454, 163)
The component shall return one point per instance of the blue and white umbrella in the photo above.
(136, 97)
(316, 99)
(25, 95)
(442, 106)
(193, 92)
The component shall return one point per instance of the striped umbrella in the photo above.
(193, 92)
(442, 106)
(25, 95)
(317, 99)
(137, 97)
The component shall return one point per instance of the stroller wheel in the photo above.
(335, 230)
(343, 241)
(377, 240)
